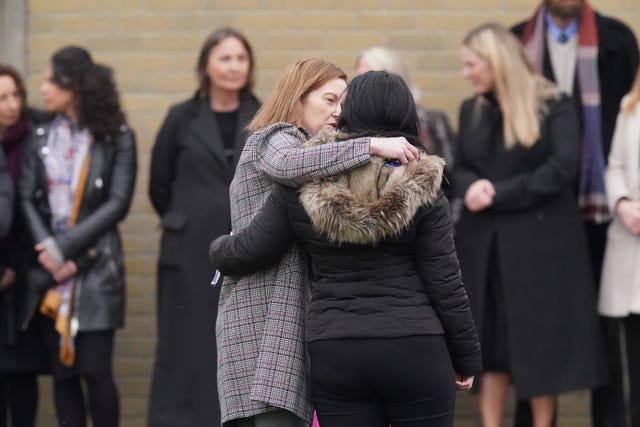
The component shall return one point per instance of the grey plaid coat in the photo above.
(262, 362)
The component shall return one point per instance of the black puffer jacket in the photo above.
(382, 255)
(94, 243)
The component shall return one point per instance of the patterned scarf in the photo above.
(67, 149)
(591, 192)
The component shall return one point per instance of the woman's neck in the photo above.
(71, 114)
(223, 101)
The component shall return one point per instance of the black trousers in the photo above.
(405, 382)
(93, 367)
(607, 401)
(18, 400)
(632, 331)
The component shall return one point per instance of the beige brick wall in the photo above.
(152, 44)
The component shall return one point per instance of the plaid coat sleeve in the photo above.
(279, 155)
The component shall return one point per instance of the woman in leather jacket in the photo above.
(77, 179)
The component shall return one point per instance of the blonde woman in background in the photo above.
(520, 241)
(620, 285)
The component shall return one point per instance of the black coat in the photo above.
(94, 243)
(20, 351)
(617, 65)
(189, 188)
(381, 268)
(553, 332)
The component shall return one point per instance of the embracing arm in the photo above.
(438, 267)
(555, 174)
(260, 244)
(279, 154)
(163, 157)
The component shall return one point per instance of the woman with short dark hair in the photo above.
(77, 178)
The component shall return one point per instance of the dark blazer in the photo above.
(94, 243)
(617, 65)
(189, 188)
(535, 233)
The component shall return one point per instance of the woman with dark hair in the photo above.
(385, 283)
(192, 165)
(21, 351)
(77, 178)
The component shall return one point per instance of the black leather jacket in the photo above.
(94, 242)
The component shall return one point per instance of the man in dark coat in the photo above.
(617, 60)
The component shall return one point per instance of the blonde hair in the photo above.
(382, 58)
(634, 96)
(298, 79)
(520, 91)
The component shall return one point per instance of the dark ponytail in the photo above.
(97, 101)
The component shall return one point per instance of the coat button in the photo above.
(40, 131)
(38, 193)
(98, 183)
(45, 151)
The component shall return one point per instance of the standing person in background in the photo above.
(262, 362)
(620, 286)
(192, 165)
(520, 241)
(593, 58)
(21, 352)
(436, 135)
(77, 177)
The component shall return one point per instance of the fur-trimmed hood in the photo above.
(372, 202)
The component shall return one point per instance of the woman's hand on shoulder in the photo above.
(479, 195)
(394, 148)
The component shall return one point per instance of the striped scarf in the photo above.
(591, 191)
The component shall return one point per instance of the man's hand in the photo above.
(479, 195)
(394, 148)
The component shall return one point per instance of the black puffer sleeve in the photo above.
(438, 267)
(259, 245)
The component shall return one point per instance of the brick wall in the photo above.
(152, 44)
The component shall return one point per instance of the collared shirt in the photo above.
(561, 35)
(562, 44)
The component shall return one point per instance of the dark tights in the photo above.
(103, 401)
(18, 400)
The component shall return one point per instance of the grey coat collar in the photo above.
(373, 202)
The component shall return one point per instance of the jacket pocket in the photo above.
(174, 221)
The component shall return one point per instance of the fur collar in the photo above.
(372, 202)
